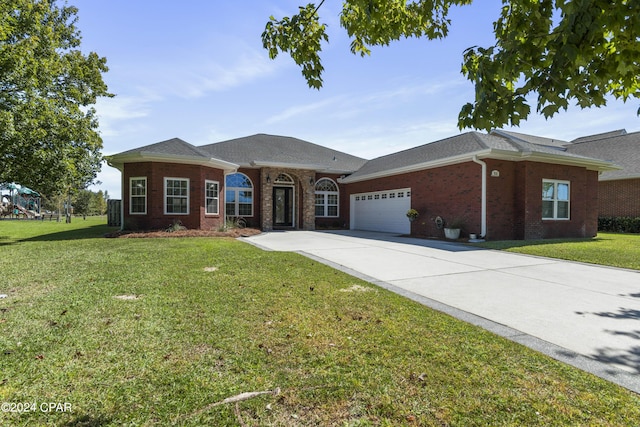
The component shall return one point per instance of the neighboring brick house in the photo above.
(618, 190)
(503, 185)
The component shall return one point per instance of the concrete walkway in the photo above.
(584, 315)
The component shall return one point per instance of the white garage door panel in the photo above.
(381, 211)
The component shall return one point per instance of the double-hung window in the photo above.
(138, 196)
(176, 196)
(555, 199)
(211, 197)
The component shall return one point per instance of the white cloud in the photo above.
(113, 111)
(194, 81)
(348, 106)
(306, 109)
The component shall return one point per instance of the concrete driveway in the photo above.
(585, 315)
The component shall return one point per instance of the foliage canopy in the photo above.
(48, 126)
(580, 51)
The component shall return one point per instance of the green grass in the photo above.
(612, 249)
(263, 320)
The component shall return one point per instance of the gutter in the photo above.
(483, 209)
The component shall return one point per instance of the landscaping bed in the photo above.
(233, 232)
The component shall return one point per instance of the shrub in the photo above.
(621, 224)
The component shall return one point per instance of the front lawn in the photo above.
(161, 331)
(612, 249)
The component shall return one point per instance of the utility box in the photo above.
(114, 213)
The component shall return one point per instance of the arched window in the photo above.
(326, 198)
(239, 195)
(283, 178)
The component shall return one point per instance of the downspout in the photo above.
(483, 208)
(122, 189)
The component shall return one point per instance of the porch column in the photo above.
(308, 185)
(266, 202)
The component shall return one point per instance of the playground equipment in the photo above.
(20, 201)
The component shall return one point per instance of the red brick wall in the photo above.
(619, 198)
(514, 199)
(155, 217)
(449, 192)
(504, 201)
(583, 220)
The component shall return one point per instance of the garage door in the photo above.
(381, 211)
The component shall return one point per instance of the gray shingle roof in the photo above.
(444, 149)
(462, 148)
(264, 150)
(623, 149)
(532, 139)
(271, 149)
(605, 135)
(173, 146)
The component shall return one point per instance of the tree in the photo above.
(48, 126)
(98, 205)
(81, 202)
(580, 51)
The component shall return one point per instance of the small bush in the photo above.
(621, 224)
(176, 225)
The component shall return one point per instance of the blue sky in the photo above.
(197, 70)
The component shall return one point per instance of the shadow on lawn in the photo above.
(92, 232)
(88, 421)
(508, 244)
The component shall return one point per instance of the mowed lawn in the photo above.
(162, 331)
(612, 249)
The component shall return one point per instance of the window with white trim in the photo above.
(238, 195)
(555, 199)
(176, 196)
(211, 197)
(326, 198)
(138, 195)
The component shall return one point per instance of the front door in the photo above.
(283, 206)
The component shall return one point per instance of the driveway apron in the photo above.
(582, 314)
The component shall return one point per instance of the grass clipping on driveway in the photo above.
(162, 331)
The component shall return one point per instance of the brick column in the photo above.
(266, 190)
(307, 182)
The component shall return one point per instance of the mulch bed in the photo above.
(234, 233)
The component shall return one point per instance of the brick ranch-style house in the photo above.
(501, 185)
